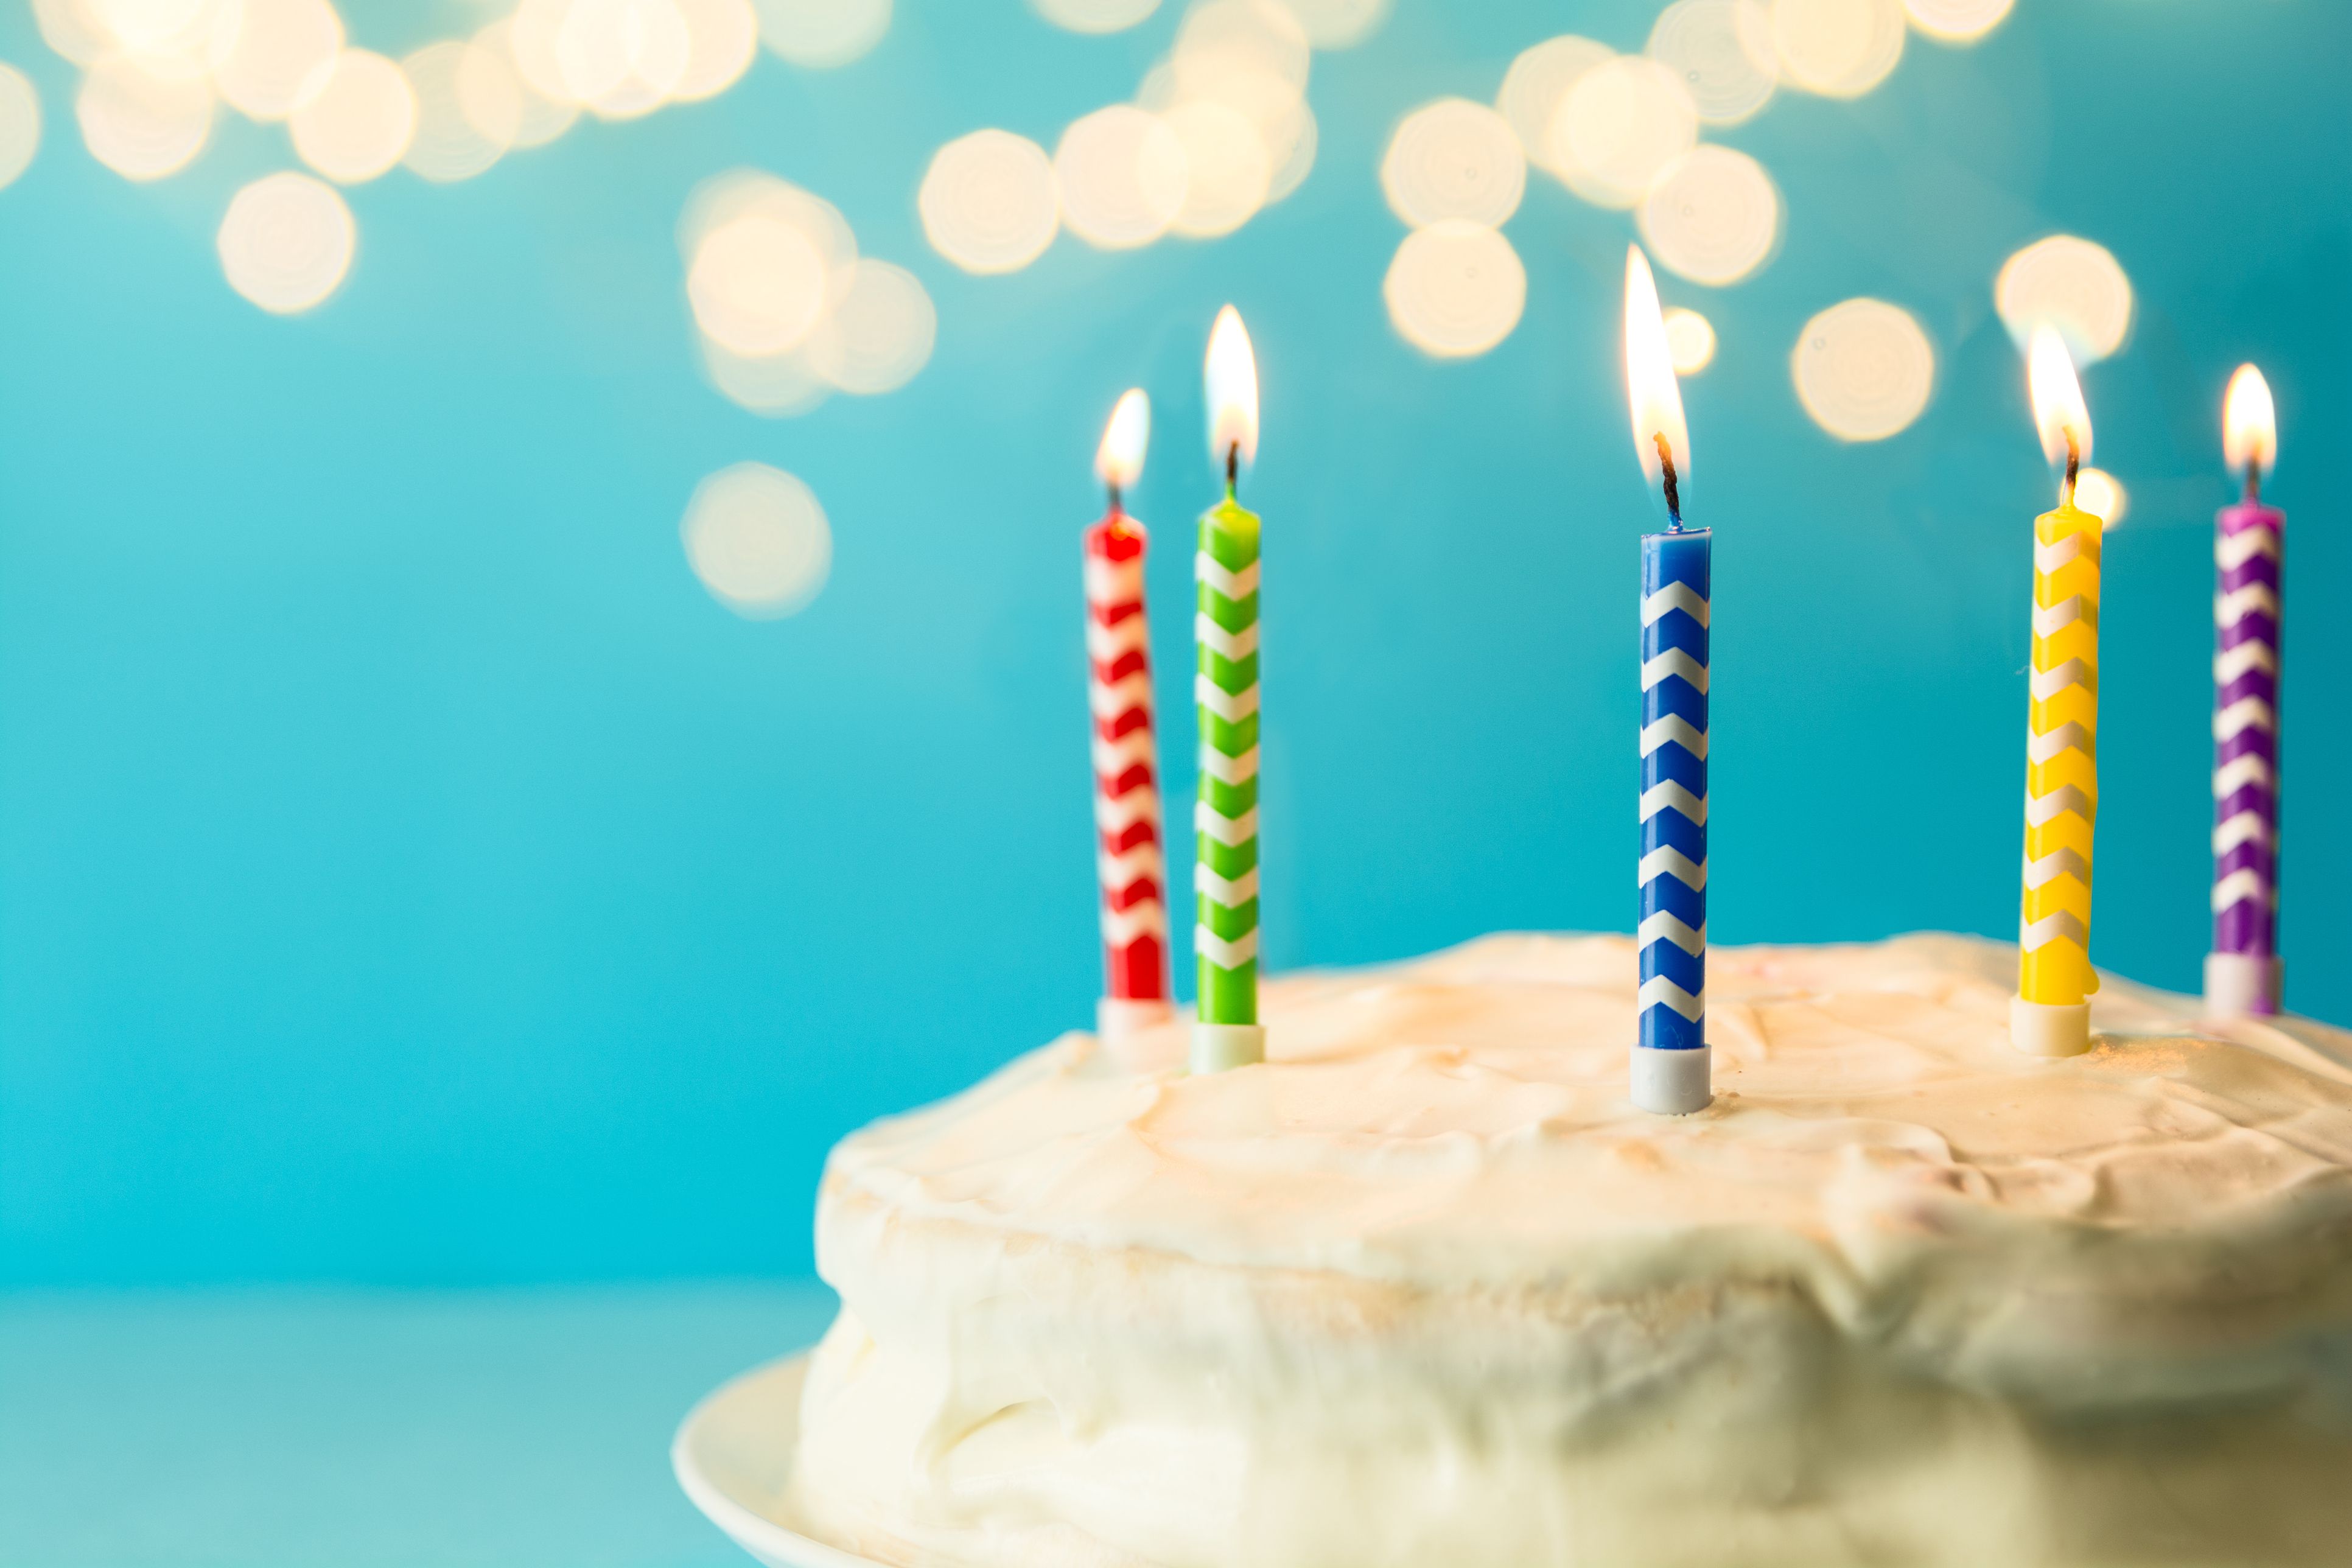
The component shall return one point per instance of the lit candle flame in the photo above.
(2250, 425)
(2058, 410)
(1650, 385)
(1231, 375)
(1120, 459)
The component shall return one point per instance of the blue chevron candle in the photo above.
(1671, 1070)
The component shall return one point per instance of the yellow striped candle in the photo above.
(2051, 1015)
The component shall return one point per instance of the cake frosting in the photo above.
(1425, 1287)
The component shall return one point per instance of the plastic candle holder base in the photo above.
(1117, 1017)
(1673, 1083)
(2238, 984)
(2049, 1029)
(1219, 1047)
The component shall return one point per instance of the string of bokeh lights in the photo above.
(787, 312)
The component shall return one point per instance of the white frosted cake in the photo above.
(1426, 1289)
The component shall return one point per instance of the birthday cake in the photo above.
(1425, 1288)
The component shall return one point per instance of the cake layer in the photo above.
(1425, 1286)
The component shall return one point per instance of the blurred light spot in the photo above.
(777, 385)
(2102, 495)
(758, 285)
(1290, 146)
(286, 242)
(181, 38)
(1713, 216)
(1453, 158)
(1123, 176)
(1095, 15)
(449, 144)
(2074, 285)
(740, 193)
(1455, 289)
(1839, 48)
(1621, 123)
(73, 29)
(1690, 339)
(1247, 54)
(988, 203)
(492, 85)
(1536, 84)
(1723, 51)
(1864, 369)
(1338, 23)
(20, 123)
(721, 37)
(142, 126)
(530, 38)
(360, 121)
(822, 33)
(283, 55)
(758, 541)
(1228, 173)
(879, 333)
(621, 58)
(1958, 21)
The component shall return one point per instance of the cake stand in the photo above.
(733, 1454)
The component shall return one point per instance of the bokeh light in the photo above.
(2076, 286)
(987, 202)
(170, 37)
(282, 57)
(1453, 158)
(1713, 215)
(758, 284)
(141, 125)
(1455, 289)
(1537, 83)
(286, 242)
(1839, 48)
(779, 386)
(73, 29)
(449, 144)
(2102, 495)
(721, 37)
(1095, 15)
(1723, 51)
(20, 123)
(1864, 369)
(1958, 21)
(492, 86)
(1619, 127)
(878, 333)
(1123, 176)
(1243, 52)
(822, 34)
(1338, 23)
(359, 123)
(1690, 340)
(1228, 173)
(758, 541)
(621, 58)
(740, 194)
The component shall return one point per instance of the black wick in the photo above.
(1673, 486)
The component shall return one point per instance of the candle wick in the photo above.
(1233, 468)
(2254, 480)
(1673, 486)
(2074, 469)
(1118, 508)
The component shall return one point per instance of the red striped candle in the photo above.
(1129, 857)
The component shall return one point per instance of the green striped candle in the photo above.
(1227, 1032)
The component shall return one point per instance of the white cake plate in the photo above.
(733, 1454)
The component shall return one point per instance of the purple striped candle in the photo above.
(2242, 973)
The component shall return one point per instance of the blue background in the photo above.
(409, 875)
